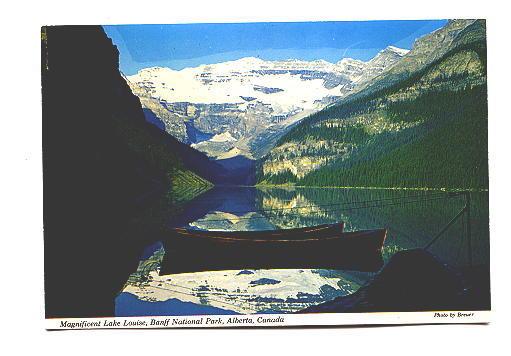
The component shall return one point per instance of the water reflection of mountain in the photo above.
(294, 211)
(222, 221)
(245, 291)
(232, 200)
(411, 217)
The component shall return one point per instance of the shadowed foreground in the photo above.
(104, 169)
(415, 280)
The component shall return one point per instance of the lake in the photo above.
(411, 217)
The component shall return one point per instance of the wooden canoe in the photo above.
(359, 251)
(319, 231)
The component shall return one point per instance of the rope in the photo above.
(332, 210)
(462, 239)
(339, 204)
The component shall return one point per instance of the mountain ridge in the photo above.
(348, 143)
(248, 98)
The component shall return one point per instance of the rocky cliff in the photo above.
(241, 107)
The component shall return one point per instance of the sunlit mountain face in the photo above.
(241, 107)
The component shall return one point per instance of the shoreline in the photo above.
(442, 189)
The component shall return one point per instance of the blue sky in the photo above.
(190, 45)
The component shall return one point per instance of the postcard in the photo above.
(265, 174)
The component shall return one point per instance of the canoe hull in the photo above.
(360, 251)
(319, 231)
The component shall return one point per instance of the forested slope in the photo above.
(427, 130)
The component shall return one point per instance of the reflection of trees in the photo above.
(296, 212)
(411, 217)
(142, 275)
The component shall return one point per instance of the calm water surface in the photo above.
(412, 219)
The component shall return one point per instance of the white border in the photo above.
(21, 232)
(271, 320)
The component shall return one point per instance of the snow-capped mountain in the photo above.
(239, 107)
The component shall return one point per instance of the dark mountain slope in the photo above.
(104, 169)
